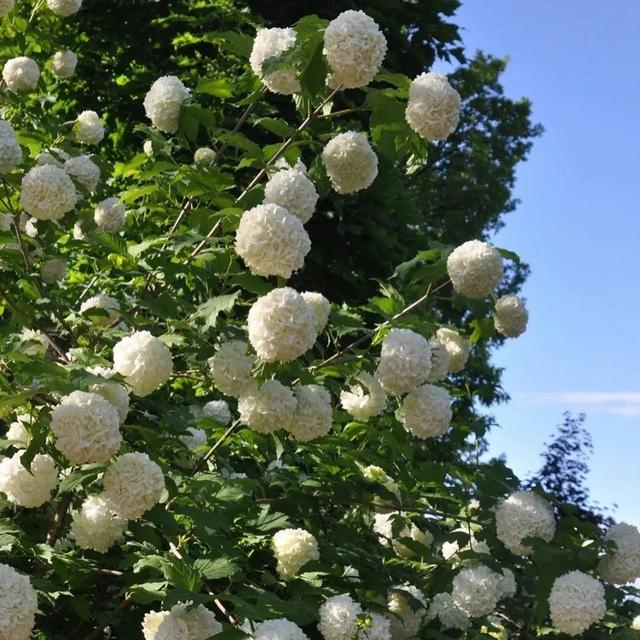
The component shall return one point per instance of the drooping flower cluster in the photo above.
(477, 590)
(231, 369)
(163, 102)
(84, 170)
(10, 151)
(86, 427)
(293, 548)
(218, 410)
(524, 514)
(450, 615)
(53, 270)
(47, 192)
(269, 408)
(426, 411)
(452, 548)
(383, 526)
(21, 74)
(96, 526)
(374, 626)
(64, 8)
(433, 110)
(405, 361)
(278, 629)
(88, 128)
(576, 602)
(439, 361)
(321, 308)
(410, 606)
(360, 404)
(312, 416)
(456, 346)
(144, 361)
(271, 241)
(269, 43)
(63, 64)
(182, 622)
(475, 268)
(291, 189)
(109, 215)
(194, 438)
(350, 162)
(355, 48)
(109, 305)
(113, 392)
(18, 604)
(339, 617)
(511, 316)
(622, 565)
(18, 432)
(204, 156)
(28, 488)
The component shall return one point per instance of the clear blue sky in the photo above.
(578, 227)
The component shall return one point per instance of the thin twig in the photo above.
(124, 603)
(216, 446)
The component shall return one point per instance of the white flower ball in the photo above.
(218, 410)
(410, 610)
(84, 170)
(350, 162)
(450, 549)
(355, 48)
(270, 408)
(476, 590)
(321, 308)
(40, 342)
(63, 64)
(405, 361)
(433, 110)
(109, 215)
(269, 43)
(426, 411)
(623, 564)
(147, 147)
(383, 526)
(105, 303)
(282, 326)
(293, 548)
(53, 270)
(64, 8)
(508, 585)
(10, 151)
(21, 74)
(204, 156)
(278, 629)
(635, 625)
(451, 616)
(18, 604)
(47, 192)
(28, 226)
(163, 625)
(524, 514)
(291, 189)
(113, 392)
(313, 414)
(576, 602)
(88, 128)
(200, 622)
(86, 427)
(96, 526)
(377, 627)
(360, 404)
(163, 101)
(6, 6)
(271, 241)
(339, 617)
(475, 268)
(456, 346)
(18, 431)
(133, 484)
(78, 231)
(24, 488)
(511, 316)
(144, 361)
(231, 369)
(194, 438)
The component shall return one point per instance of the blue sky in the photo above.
(578, 227)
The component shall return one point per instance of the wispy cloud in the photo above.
(624, 403)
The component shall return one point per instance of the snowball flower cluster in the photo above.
(163, 101)
(133, 484)
(383, 526)
(21, 74)
(321, 308)
(218, 410)
(63, 64)
(511, 316)
(269, 408)
(84, 170)
(449, 549)
(96, 526)
(405, 361)
(312, 416)
(508, 585)
(373, 473)
(290, 188)
(271, 241)
(576, 602)
(269, 43)
(10, 151)
(524, 514)
(6, 6)
(360, 404)
(204, 156)
(282, 326)
(439, 361)
(64, 8)
(456, 346)
(477, 590)
(18, 432)
(24, 488)
(635, 625)
(293, 548)
(475, 268)
(88, 128)
(426, 411)
(34, 343)
(144, 361)
(194, 438)
(231, 369)
(113, 392)
(355, 48)
(86, 427)
(339, 617)
(18, 604)
(278, 629)
(375, 627)
(433, 110)
(109, 215)
(410, 605)
(53, 270)
(350, 162)
(47, 192)
(106, 303)
(623, 564)
(181, 623)
(451, 616)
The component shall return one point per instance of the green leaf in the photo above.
(210, 309)
(216, 569)
(219, 87)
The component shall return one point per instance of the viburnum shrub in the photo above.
(196, 448)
